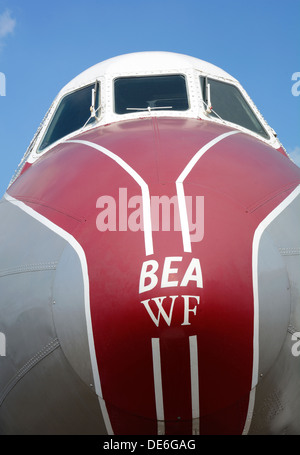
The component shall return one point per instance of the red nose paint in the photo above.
(173, 329)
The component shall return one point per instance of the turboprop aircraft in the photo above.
(149, 260)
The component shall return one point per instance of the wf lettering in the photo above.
(189, 307)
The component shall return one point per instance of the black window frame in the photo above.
(139, 108)
(204, 80)
(87, 120)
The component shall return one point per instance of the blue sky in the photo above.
(43, 45)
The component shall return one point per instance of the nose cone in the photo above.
(174, 330)
(171, 299)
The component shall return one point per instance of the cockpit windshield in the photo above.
(72, 113)
(225, 101)
(142, 93)
(163, 92)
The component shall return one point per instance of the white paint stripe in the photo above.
(158, 385)
(80, 252)
(250, 411)
(105, 416)
(141, 183)
(184, 221)
(180, 190)
(194, 384)
(255, 248)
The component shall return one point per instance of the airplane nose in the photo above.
(173, 331)
(158, 316)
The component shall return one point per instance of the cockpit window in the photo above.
(72, 113)
(228, 103)
(134, 94)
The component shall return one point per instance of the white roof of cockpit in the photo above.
(144, 62)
